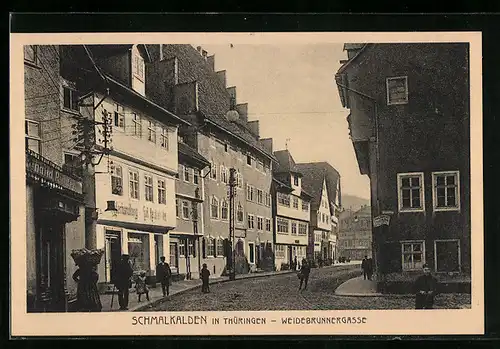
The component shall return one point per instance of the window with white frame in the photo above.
(116, 180)
(296, 202)
(213, 171)
(224, 210)
(223, 174)
(138, 67)
(239, 179)
(32, 135)
(185, 209)
(413, 254)
(239, 213)
(302, 228)
(162, 192)
(251, 221)
(260, 223)
(280, 251)
(211, 247)
(296, 180)
(305, 205)
(282, 225)
(136, 125)
(397, 90)
(134, 184)
(260, 196)
(191, 248)
(411, 192)
(196, 176)
(268, 199)
(119, 117)
(214, 208)
(250, 192)
(70, 100)
(151, 131)
(187, 174)
(446, 193)
(220, 247)
(148, 188)
(164, 138)
(31, 53)
(294, 228)
(177, 208)
(268, 224)
(182, 248)
(284, 199)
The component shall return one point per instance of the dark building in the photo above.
(409, 125)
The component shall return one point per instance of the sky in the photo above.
(291, 90)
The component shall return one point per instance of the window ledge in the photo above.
(398, 103)
(447, 209)
(411, 210)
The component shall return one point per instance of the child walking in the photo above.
(141, 286)
(205, 275)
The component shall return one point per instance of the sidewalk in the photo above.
(156, 295)
(358, 287)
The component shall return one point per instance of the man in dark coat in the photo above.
(205, 275)
(163, 274)
(122, 281)
(305, 270)
(364, 267)
(425, 289)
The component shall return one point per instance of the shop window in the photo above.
(182, 248)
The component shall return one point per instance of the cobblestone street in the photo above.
(281, 293)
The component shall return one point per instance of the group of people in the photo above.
(367, 267)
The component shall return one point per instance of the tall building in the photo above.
(355, 234)
(409, 125)
(322, 180)
(182, 79)
(291, 211)
(55, 210)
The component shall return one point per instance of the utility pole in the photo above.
(232, 189)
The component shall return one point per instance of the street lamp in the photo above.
(232, 187)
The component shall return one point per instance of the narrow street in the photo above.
(281, 293)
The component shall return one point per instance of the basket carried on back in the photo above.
(92, 257)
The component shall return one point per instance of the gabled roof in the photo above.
(356, 57)
(285, 162)
(314, 173)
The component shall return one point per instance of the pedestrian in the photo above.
(163, 275)
(205, 275)
(370, 268)
(122, 280)
(425, 289)
(141, 287)
(87, 294)
(364, 267)
(305, 270)
(295, 263)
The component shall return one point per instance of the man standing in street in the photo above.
(425, 289)
(123, 282)
(163, 274)
(364, 267)
(305, 270)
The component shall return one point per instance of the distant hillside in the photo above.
(353, 202)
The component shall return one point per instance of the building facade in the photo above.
(183, 79)
(355, 234)
(291, 212)
(409, 124)
(55, 212)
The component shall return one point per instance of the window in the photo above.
(280, 251)
(138, 67)
(70, 99)
(224, 210)
(268, 199)
(162, 192)
(119, 117)
(411, 192)
(296, 180)
(251, 221)
(220, 247)
(182, 248)
(191, 248)
(251, 252)
(116, 180)
(148, 188)
(32, 135)
(249, 160)
(296, 202)
(136, 125)
(260, 166)
(223, 174)
(31, 53)
(250, 192)
(397, 90)
(177, 209)
(239, 179)
(302, 228)
(239, 213)
(305, 205)
(260, 223)
(213, 171)
(446, 195)
(187, 177)
(185, 209)
(284, 199)
(260, 196)
(413, 254)
(214, 208)
(151, 131)
(134, 184)
(268, 224)
(211, 247)
(196, 176)
(179, 171)
(164, 138)
(226, 147)
(282, 224)
(294, 228)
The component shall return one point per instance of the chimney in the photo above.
(242, 109)
(211, 62)
(199, 49)
(267, 143)
(253, 126)
(204, 54)
(221, 75)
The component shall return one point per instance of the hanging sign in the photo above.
(381, 220)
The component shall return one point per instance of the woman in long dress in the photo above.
(87, 294)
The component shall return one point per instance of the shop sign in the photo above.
(149, 214)
(381, 220)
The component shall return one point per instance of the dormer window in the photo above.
(296, 181)
(138, 67)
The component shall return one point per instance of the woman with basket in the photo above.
(86, 277)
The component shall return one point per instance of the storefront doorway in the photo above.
(113, 252)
